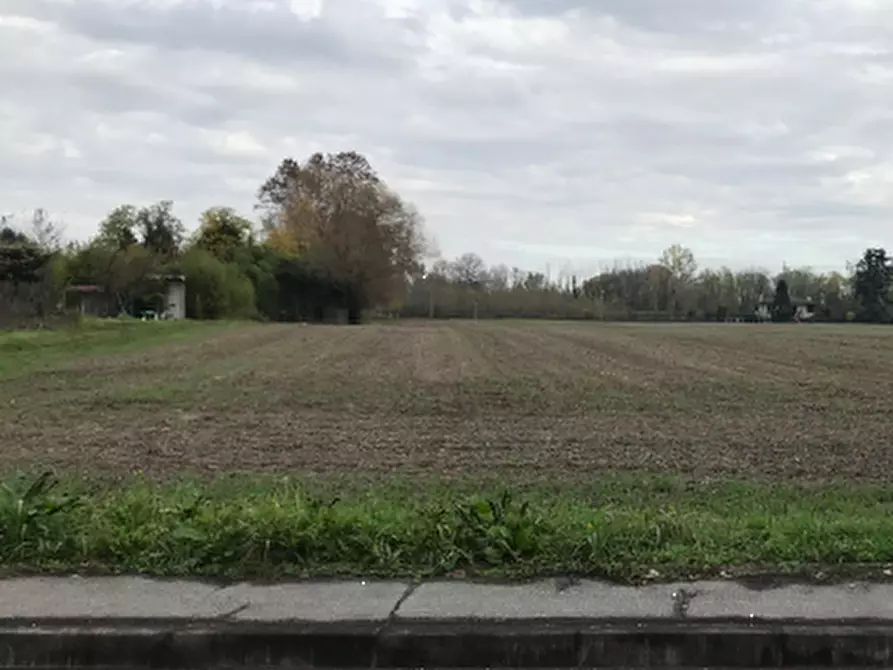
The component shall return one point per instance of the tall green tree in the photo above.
(118, 230)
(162, 233)
(155, 227)
(10, 236)
(32, 272)
(782, 307)
(871, 285)
(223, 233)
(21, 260)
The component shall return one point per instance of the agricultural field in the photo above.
(506, 399)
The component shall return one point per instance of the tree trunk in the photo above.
(354, 309)
(431, 302)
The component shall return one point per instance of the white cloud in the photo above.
(239, 144)
(668, 219)
(532, 131)
(832, 154)
(869, 186)
(716, 63)
(306, 10)
(25, 25)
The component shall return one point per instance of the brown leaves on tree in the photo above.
(336, 213)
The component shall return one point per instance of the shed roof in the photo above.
(167, 277)
(85, 288)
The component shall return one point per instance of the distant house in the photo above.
(804, 310)
(166, 297)
(88, 300)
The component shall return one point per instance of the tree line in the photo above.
(670, 289)
(331, 240)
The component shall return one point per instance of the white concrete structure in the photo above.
(176, 298)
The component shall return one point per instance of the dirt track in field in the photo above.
(526, 399)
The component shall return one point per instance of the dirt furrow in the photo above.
(467, 398)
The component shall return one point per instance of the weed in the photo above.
(256, 527)
(32, 517)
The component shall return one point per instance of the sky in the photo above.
(547, 134)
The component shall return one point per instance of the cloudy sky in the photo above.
(559, 133)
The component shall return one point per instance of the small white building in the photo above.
(173, 292)
(176, 297)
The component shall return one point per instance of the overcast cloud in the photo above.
(534, 132)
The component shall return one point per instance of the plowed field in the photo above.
(519, 398)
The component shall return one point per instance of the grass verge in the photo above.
(620, 528)
(21, 350)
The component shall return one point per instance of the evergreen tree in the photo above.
(872, 286)
(782, 308)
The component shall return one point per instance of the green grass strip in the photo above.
(23, 350)
(614, 527)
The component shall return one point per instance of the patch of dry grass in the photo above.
(527, 399)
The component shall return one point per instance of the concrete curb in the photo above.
(133, 622)
(447, 644)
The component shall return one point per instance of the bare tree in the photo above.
(680, 262)
(468, 270)
(43, 232)
(46, 232)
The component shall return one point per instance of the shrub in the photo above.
(214, 289)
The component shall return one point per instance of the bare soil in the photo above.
(804, 402)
